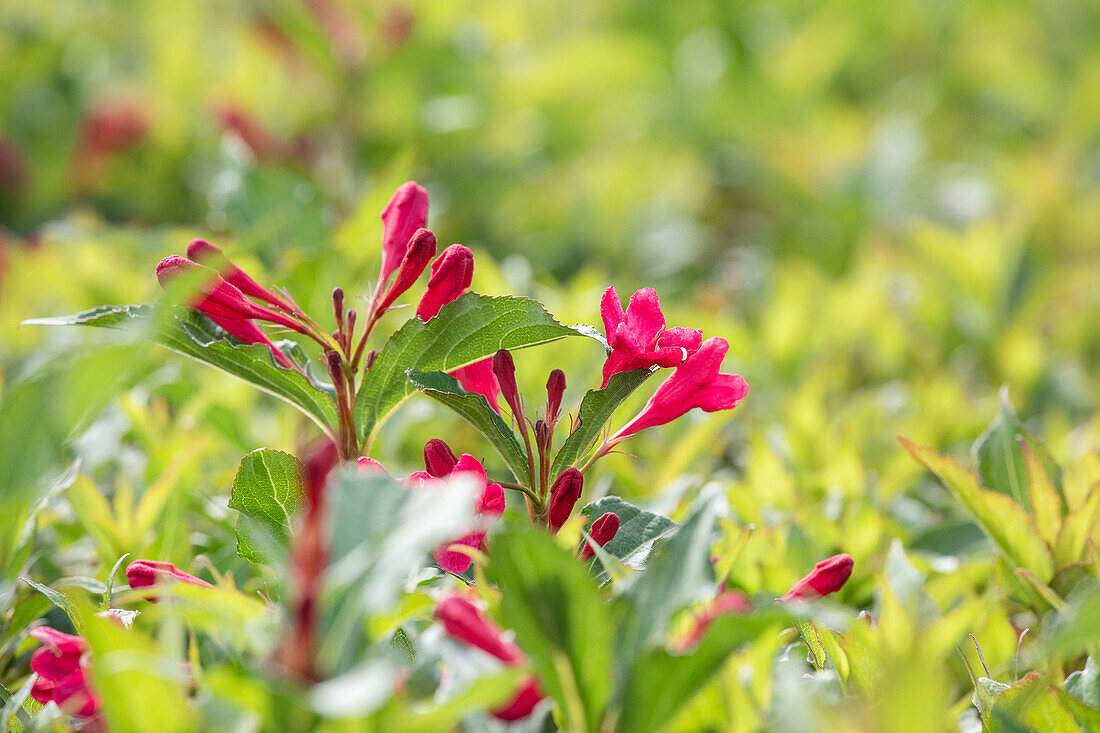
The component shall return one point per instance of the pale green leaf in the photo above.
(267, 491)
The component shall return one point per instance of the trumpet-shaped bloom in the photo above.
(695, 383)
(463, 621)
(638, 337)
(406, 212)
(205, 253)
(828, 576)
(479, 377)
(63, 675)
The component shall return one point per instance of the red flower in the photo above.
(406, 212)
(603, 531)
(479, 377)
(147, 573)
(418, 253)
(828, 576)
(638, 337)
(62, 665)
(462, 620)
(452, 273)
(727, 601)
(201, 251)
(564, 495)
(695, 383)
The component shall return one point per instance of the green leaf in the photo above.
(1047, 505)
(638, 529)
(1085, 684)
(470, 329)
(1076, 529)
(660, 683)
(475, 409)
(597, 408)
(382, 534)
(560, 621)
(267, 491)
(58, 599)
(680, 573)
(1002, 519)
(999, 456)
(192, 334)
(13, 705)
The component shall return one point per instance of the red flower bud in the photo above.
(147, 573)
(64, 677)
(439, 459)
(505, 371)
(406, 212)
(828, 576)
(452, 273)
(211, 255)
(563, 496)
(555, 388)
(603, 531)
(418, 253)
(220, 298)
(462, 620)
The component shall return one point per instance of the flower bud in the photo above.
(603, 531)
(828, 576)
(146, 573)
(462, 620)
(338, 303)
(452, 273)
(542, 437)
(406, 212)
(439, 459)
(419, 252)
(213, 256)
(563, 496)
(505, 370)
(555, 388)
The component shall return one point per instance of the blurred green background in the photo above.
(890, 210)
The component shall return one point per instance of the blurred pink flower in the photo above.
(148, 573)
(828, 576)
(62, 665)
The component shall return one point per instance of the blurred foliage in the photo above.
(890, 211)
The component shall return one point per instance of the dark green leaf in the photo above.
(444, 388)
(660, 683)
(470, 329)
(638, 529)
(267, 491)
(597, 408)
(680, 573)
(560, 621)
(194, 335)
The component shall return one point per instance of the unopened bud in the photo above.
(564, 495)
(371, 356)
(338, 302)
(555, 388)
(452, 273)
(505, 371)
(419, 252)
(828, 576)
(439, 459)
(603, 531)
(542, 436)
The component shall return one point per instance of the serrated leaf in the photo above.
(267, 491)
(1002, 519)
(192, 334)
(470, 329)
(660, 683)
(638, 530)
(560, 620)
(597, 408)
(475, 409)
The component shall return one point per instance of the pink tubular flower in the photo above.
(828, 576)
(490, 505)
(638, 337)
(406, 212)
(462, 620)
(201, 251)
(220, 298)
(418, 253)
(603, 530)
(63, 675)
(695, 383)
(479, 377)
(452, 273)
(727, 601)
(147, 573)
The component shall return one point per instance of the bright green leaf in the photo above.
(267, 491)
